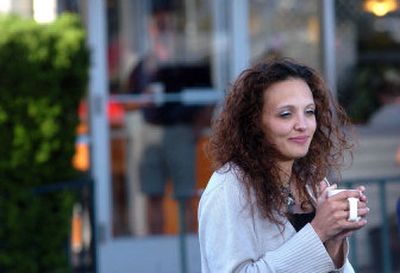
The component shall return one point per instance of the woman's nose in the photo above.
(301, 123)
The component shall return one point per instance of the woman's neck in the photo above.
(285, 172)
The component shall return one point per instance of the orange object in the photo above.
(76, 230)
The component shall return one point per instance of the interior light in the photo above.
(380, 7)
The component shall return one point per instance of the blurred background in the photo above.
(105, 110)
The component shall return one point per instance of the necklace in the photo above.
(287, 193)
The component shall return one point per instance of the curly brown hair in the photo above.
(238, 139)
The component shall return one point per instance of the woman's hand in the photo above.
(330, 221)
(363, 211)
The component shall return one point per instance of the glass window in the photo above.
(285, 28)
(368, 67)
(159, 66)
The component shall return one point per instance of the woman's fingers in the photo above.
(361, 188)
(324, 188)
(363, 212)
(362, 197)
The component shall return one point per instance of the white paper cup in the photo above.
(353, 204)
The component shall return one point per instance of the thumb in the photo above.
(324, 188)
(323, 185)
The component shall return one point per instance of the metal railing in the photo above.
(386, 257)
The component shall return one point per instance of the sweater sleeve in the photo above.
(229, 240)
(304, 252)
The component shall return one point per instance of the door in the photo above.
(167, 64)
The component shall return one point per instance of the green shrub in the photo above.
(44, 73)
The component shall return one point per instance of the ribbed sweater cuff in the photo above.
(304, 252)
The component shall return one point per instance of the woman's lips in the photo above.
(299, 139)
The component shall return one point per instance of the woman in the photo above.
(266, 208)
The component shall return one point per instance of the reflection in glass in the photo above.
(158, 139)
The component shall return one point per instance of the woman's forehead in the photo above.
(290, 91)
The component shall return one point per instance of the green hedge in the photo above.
(44, 74)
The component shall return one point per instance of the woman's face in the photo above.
(288, 117)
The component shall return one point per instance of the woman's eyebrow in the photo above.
(311, 104)
(292, 106)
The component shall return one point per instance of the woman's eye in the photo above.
(285, 114)
(310, 111)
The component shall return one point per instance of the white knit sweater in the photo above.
(233, 239)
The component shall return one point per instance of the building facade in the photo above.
(159, 72)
